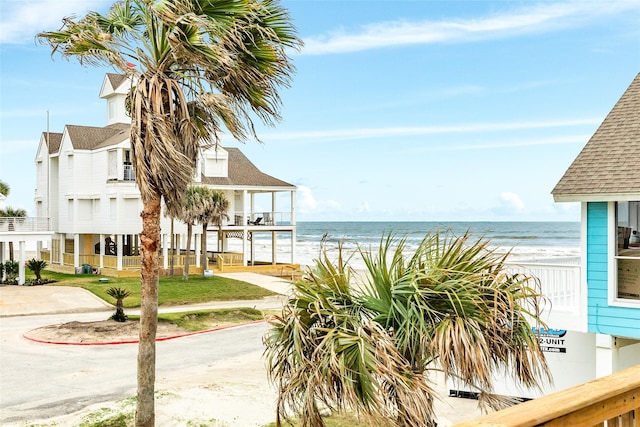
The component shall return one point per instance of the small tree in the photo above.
(11, 270)
(370, 343)
(36, 266)
(219, 214)
(119, 294)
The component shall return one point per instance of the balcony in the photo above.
(612, 401)
(261, 218)
(24, 224)
(128, 173)
(560, 282)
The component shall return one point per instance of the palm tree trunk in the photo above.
(150, 239)
(173, 250)
(204, 247)
(185, 275)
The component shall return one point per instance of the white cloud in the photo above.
(541, 17)
(304, 199)
(511, 202)
(397, 131)
(21, 20)
(307, 204)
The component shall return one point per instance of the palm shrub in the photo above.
(11, 271)
(369, 343)
(119, 294)
(36, 266)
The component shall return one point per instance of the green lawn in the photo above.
(171, 290)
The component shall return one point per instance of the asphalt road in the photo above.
(43, 380)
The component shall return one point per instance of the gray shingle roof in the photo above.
(89, 137)
(116, 79)
(53, 141)
(243, 173)
(609, 165)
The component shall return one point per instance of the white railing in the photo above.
(265, 218)
(128, 173)
(24, 224)
(560, 282)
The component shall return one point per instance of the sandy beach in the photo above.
(234, 393)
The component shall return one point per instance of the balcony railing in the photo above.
(128, 173)
(24, 224)
(260, 218)
(605, 402)
(560, 281)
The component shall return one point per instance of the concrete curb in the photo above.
(171, 337)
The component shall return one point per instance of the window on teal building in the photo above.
(627, 254)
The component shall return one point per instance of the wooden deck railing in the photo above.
(229, 260)
(612, 401)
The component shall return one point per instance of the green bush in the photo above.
(11, 271)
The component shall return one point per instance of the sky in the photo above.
(398, 110)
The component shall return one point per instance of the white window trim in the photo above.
(612, 276)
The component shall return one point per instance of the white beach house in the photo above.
(86, 186)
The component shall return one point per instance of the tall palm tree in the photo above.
(201, 65)
(197, 201)
(219, 212)
(370, 344)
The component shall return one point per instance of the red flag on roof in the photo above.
(130, 65)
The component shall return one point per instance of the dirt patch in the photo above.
(99, 332)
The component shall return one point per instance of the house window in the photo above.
(112, 166)
(113, 209)
(128, 167)
(85, 209)
(70, 209)
(627, 256)
(112, 109)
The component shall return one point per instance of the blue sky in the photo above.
(398, 111)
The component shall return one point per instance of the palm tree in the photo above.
(11, 214)
(370, 344)
(196, 203)
(36, 266)
(202, 65)
(219, 213)
(4, 188)
(119, 294)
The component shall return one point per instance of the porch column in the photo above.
(39, 249)
(61, 239)
(119, 251)
(76, 250)
(3, 251)
(274, 237)
(245, 232)
(21, 260)
(294, 235)
(165, 251)
(607, 352)
(102, 251)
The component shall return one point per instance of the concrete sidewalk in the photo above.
(33, 300)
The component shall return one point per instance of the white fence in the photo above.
(24, 224)
(560, 282)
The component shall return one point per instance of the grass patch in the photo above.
(202, 320)
(171, 290)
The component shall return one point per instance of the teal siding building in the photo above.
(605, 179)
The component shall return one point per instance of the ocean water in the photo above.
(526, 240)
